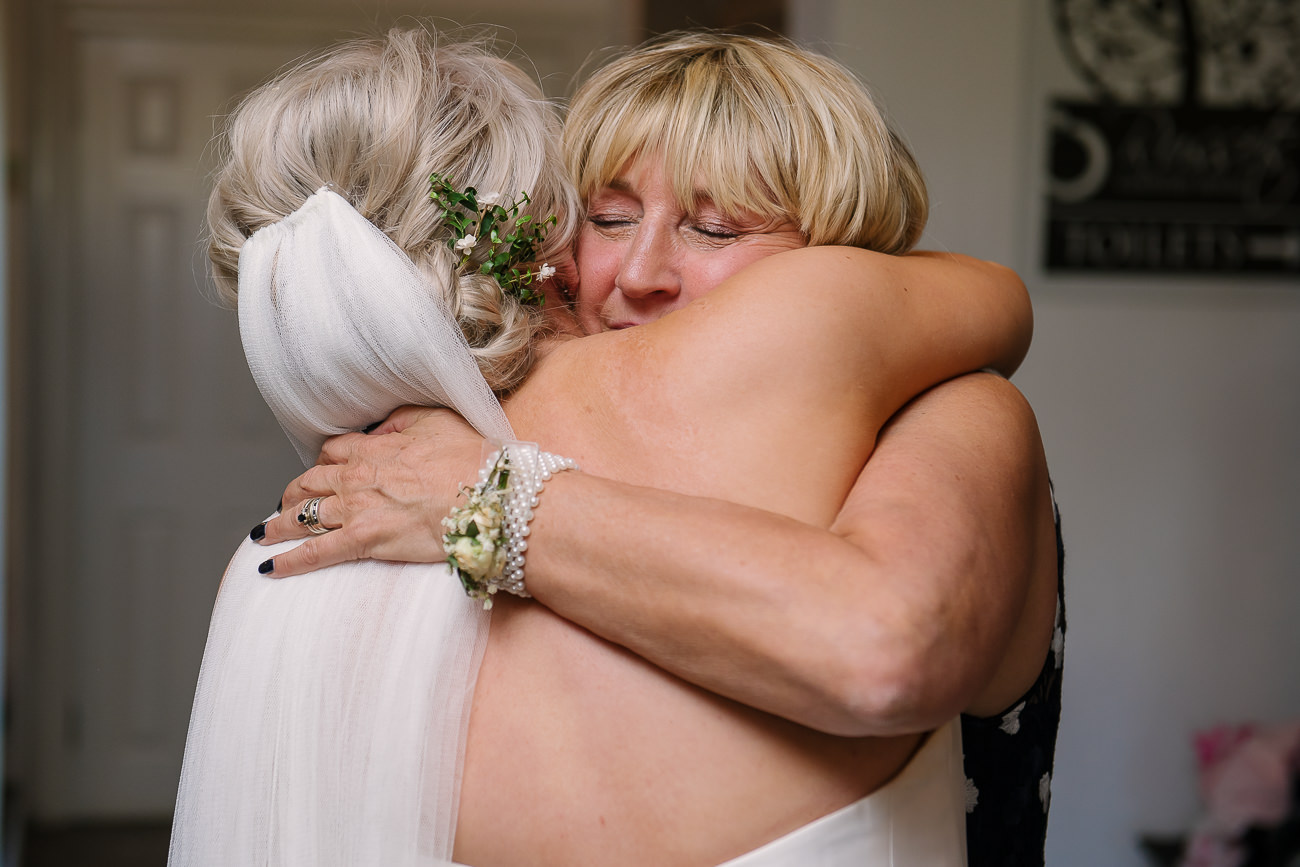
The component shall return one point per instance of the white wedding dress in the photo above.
(330, 717)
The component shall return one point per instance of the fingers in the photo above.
(340, 449)
(316, 553)
(290, 525)
(403, 417)
(317, 481)
(387, 493)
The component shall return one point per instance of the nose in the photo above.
(649, 269)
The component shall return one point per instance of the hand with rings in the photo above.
(344, 510)
(309, 517)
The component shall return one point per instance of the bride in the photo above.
(368, 714)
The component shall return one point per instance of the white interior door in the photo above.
(176, 456)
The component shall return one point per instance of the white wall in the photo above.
(1169, 408)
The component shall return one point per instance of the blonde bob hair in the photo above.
(376, 117)
(763, 126)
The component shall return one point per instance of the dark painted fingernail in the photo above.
(258, 533)
(267, 566)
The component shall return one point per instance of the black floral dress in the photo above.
(1008, 760)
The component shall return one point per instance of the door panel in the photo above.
(174, 448)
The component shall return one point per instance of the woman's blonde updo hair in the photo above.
(763, 126)
(376, 117)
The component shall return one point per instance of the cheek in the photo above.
(597, 271)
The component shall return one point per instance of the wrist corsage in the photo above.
(474, 537)
(486, 538)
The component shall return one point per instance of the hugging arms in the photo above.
(933, 590)
(922, 598)
(766, 561)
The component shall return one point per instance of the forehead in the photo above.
(649, 177)
(692, 183)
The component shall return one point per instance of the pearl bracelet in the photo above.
(487, 538)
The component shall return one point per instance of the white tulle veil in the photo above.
(330, 716)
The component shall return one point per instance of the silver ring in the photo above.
(309, 516)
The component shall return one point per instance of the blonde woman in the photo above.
(333, 718)
(936, 590)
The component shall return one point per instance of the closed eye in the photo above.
(715, 233)
(608, 222)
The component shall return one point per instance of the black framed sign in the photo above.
(1162, 188)
(1188, 156)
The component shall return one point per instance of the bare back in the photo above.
(582, 753)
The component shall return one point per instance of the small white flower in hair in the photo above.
(546, 273)
(465, 244)
(489, 199)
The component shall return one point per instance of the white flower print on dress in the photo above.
(1011, 720)
(972, 795)
(1045, 790)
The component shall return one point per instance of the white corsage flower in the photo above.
(489, 199)
(489, 526)
(475, 541)
(472, 556)
(546, 273)
(465, 244)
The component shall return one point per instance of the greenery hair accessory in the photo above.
(510, 239)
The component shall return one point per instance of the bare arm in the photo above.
(902, 324)
(932, 593)
(912, 607)
(829, 627)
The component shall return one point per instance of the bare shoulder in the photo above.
(812, 286)
(786, 318)
(780, 320)
(896, 324)
(822, 312)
